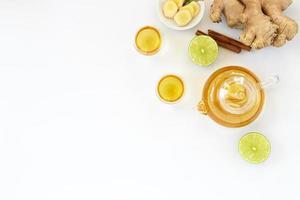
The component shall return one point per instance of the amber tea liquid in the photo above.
(233, 96)
(148, 40)
(170, 88)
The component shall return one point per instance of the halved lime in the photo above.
(254, 147)
(203, 50)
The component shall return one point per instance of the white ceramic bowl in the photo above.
(172, 24)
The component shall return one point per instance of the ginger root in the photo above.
(288, 28)
(262, 20)
(232, 9)
(259, 30)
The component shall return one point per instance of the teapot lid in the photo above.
(233, 96)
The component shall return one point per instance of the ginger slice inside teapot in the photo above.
(237, 95)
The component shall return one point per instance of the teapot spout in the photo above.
(202, 107)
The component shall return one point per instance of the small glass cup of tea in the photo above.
(170, 89)
(148, 40)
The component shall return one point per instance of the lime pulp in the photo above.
(203, 50)
(254, 147)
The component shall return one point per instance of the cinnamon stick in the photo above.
(227, 39)
(223, 44)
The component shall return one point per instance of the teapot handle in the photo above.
(271, 81)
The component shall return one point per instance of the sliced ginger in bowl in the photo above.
(182, 14)
(183, 17)
(170, 8)
(188, 8)
(179, 3)
(196, 8)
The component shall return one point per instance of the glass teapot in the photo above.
(234, 96)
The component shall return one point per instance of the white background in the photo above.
(79, 118)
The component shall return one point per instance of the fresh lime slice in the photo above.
(254, 147)
(203, 50)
